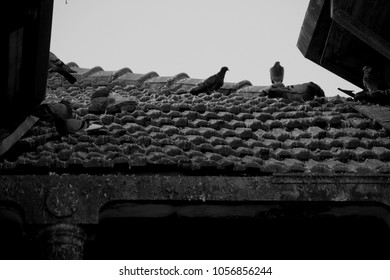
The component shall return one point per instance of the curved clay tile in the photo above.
(180, 76)
(147, 76)
(159, 80)
(73, 65)
(252, 89)
(242, 84)
(190, 81)
(92, 71)
(121, 72)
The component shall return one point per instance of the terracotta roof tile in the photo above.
(385, 142)
(317, 167)
(274, 166)
(343, 155)
(316, 132)
(273, 144)
(301, 154)
(244, 133)
(224, 150)
(234, 142)
(280, 134)
(243, 151)
(294, 165)
(382, 153)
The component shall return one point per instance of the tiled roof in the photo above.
(238, 130)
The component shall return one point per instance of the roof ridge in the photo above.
(138, 79)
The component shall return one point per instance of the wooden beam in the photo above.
(380, 114)
(15, 50)
(360, 30)
(314, 29)
(11, 139)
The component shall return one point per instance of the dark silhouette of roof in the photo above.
(345, 35)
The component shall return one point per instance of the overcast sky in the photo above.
(195, 37)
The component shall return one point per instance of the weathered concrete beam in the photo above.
(77, 199)
(62, 242)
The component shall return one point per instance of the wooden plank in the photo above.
(332, 57)
(43, 37)
(314, 29)
(11, 139)
(380, 114)
(360, 30)
(26, 56)
(15, 43)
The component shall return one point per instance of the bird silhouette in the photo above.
(61, 114)
(56, 65)
(49, 111)
(61, 109)
(211, 83)
(277, 73)
(371, 79)
(65, 127)
(300, 92)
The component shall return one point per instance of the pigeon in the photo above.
(277, 73)
(50, 111)
(61, 109)
(56, 65)
(300, 92)
(61, 114)
(211, 83)
(65, 127)
(371, 80)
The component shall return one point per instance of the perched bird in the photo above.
(69, 126)
(61, 109)
(371, 79)
(61, 114)
(277, 73)
(211, 83)
(50, 111)
(56, 65)
(300, 92)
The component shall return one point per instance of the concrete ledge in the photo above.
(77, 199)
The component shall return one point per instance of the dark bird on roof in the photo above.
(61, 109)
(50, 111)
(371, 79)
(277, 73)
(300, 92)
(211, 83)
(69, 126)
(56, 65)
(61, 114)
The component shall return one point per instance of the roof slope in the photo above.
(237, 130)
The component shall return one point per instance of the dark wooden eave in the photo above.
(343, 36)
(26, 45)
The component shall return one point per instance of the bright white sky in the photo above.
(195, 37)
